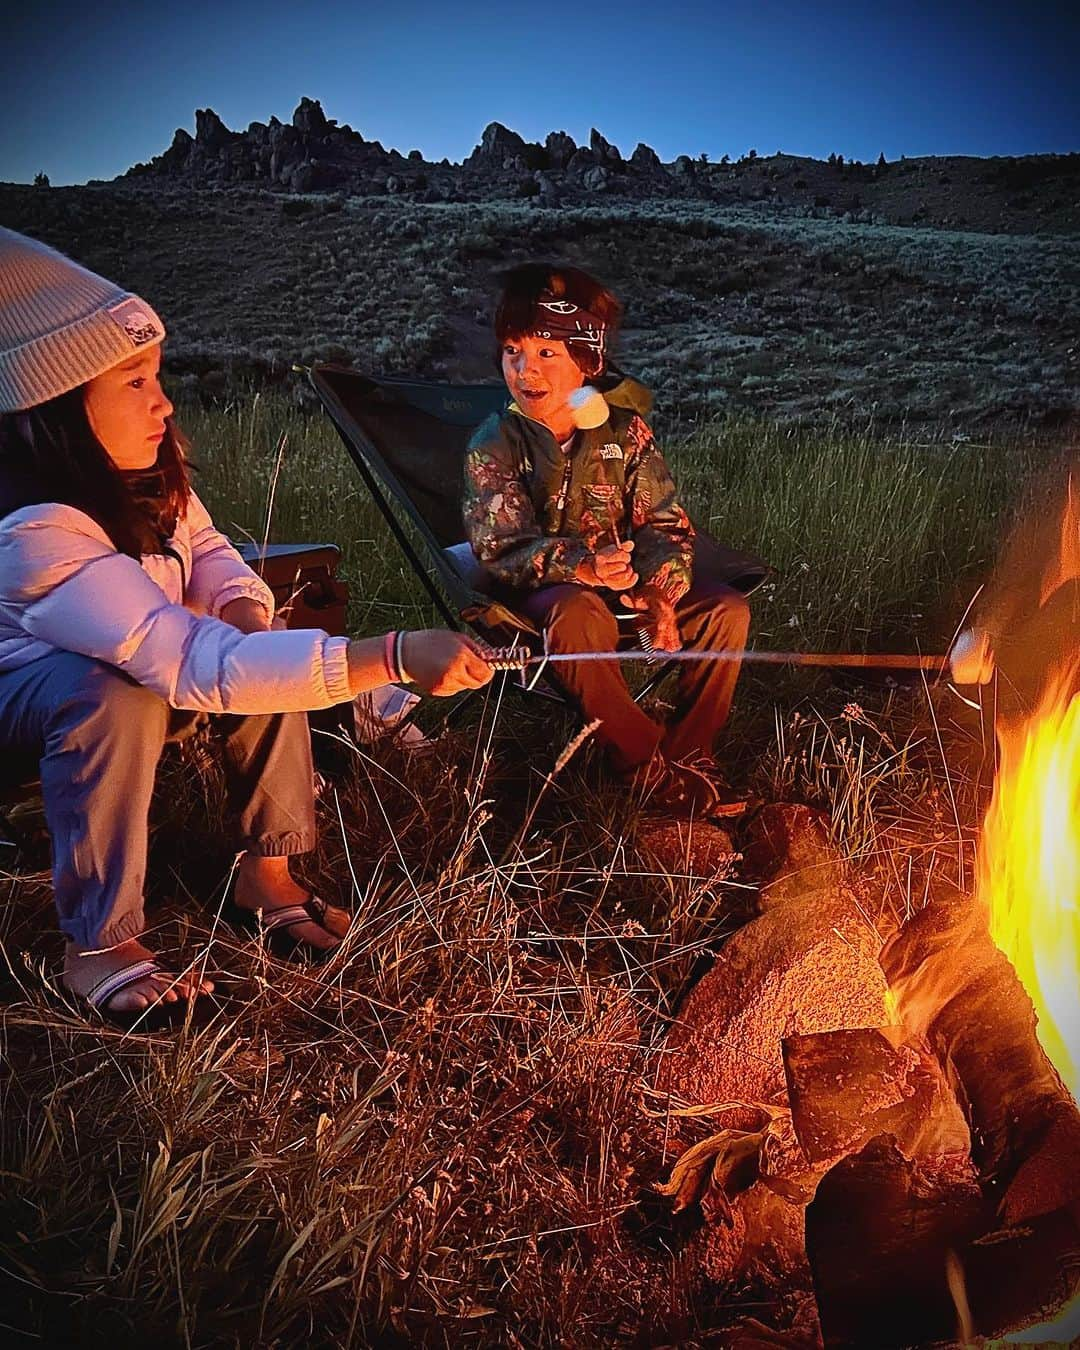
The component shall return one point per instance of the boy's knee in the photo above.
(737, 610)
(729, 616)
(581, 618)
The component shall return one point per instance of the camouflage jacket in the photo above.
(533, 513)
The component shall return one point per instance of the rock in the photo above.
(808, 963)
(181, 145)
(684, 167)
(549, 190)
(603, 150)
(847, 1088)
(497, 145)
(560, 148)
(645, 158)
(686, 848)
(596, 178)
(580, 161)
(210, 132)
(304, 178)
(308, 118)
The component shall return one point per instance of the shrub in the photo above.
(292, 207)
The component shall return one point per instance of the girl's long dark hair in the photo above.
(50, 454)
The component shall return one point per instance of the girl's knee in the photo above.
(104, 702)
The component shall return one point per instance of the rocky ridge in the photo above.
(312, 153)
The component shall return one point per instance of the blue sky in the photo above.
(91, 89)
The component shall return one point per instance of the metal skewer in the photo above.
(518, 658)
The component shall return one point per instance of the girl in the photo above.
(122, 608)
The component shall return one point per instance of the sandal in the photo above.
(273, 927)
(156, 1016)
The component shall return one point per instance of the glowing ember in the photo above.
(1029, 864)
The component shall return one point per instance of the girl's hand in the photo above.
(246, 614)
(443, 663)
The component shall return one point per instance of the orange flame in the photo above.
(1028, 866)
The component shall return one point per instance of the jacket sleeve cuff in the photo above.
(244, 588)
(336, 669)
(563, 565)
(672, 584)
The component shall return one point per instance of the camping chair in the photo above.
(407, 439)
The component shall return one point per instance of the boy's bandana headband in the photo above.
(562, 321)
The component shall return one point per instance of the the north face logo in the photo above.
(140, 326)
(611, 451)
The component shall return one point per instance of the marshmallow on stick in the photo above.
(971, 661)
(588, 407)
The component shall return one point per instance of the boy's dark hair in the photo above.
(522, 287)
(50, 454)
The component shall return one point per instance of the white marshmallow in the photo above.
(971, 660)
(589, 407)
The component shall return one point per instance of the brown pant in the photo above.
(711, 616)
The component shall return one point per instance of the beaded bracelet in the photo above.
(403, 676)
(393, 671)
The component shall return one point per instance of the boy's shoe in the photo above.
(729, 801)
(678, 789)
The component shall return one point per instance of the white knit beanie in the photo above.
(60, 325)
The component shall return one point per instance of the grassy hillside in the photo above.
(738, 308)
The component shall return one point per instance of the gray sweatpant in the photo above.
(100, 736)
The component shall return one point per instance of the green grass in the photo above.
(444, 1137)
(876, 536)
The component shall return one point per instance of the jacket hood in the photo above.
(623, 391)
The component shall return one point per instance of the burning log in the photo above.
(847, 1088)
(898, 1190)
(955, 987)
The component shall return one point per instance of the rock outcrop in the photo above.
(313, 153)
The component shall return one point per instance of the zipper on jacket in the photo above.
(169, 552)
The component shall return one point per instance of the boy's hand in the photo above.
(609, 568)
(659, 617)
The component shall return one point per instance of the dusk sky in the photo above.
(93, 88)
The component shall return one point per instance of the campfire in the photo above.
(896, 1156)
(1029, 864)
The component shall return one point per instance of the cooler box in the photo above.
(304, 580)
(308, 594)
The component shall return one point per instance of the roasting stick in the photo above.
(519, 658)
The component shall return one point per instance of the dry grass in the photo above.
(446, 1135)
